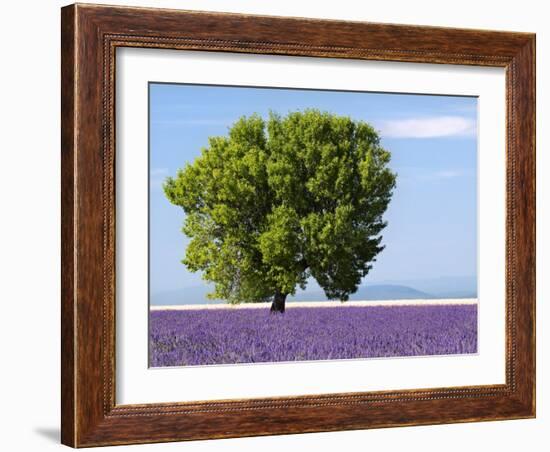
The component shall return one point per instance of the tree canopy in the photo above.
(280, 200)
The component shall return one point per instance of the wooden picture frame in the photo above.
(90, 36)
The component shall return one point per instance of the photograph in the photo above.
(294, 225)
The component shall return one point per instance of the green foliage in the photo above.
(278, 201)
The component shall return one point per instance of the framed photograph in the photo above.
(281, 225)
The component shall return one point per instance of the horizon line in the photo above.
(320, 304)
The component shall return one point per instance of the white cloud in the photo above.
(414, 175)
(193, 122)
(447, 174)
(157, 177)
(159, 171)
(430, 127)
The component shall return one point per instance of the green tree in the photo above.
(280, 200)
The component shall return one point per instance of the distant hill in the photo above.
(197, 295)
(188, 295)
(443, 287)
(370, 292)
(389, 292)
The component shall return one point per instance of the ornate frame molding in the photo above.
(90, 36)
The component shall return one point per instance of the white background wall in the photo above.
(29, 228)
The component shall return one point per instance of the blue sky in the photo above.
(432, 219)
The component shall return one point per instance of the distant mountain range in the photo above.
(445, 287)
(188, 295)
(371, 292)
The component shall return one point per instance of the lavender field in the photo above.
(230, 336)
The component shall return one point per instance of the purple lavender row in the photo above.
(230, 336)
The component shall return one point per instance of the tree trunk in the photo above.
(278, 304)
